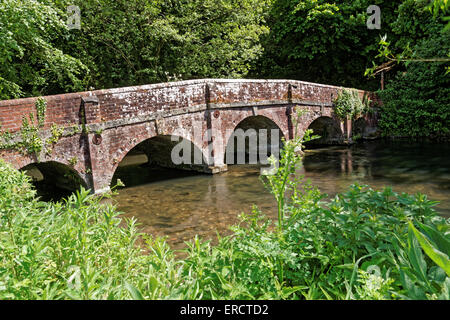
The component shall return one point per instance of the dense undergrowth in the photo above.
(363, 244)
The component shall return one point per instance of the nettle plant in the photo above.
(363, 244)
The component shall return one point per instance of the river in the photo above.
(181, 204)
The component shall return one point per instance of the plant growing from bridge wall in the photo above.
(75, 129)
(56, 132)
(73, 161)
(98, 131)
(29, 139)
(5, 139)
(349, 105)
(41, 108)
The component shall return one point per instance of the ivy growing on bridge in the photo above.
(29, 140)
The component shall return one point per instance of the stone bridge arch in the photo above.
(70, 152)
(118, 142)
(100, 127)
(59, 177)
(328, 128)
(309, 115)
(252, 125)
(281, 120)
(226, 120)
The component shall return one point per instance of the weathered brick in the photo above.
(128, 116)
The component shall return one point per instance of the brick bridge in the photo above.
(93, 131)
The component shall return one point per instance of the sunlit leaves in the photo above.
(322, 41)
(30, 61)
(433, 250)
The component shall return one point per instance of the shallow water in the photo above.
(180, 204)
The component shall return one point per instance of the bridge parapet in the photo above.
(149, 102)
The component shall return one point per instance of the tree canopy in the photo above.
(31, 62)
(323, 41)
(125, 42)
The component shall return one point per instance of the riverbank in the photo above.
(182, 204)
(361, 245)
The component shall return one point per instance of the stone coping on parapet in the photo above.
(161, 85)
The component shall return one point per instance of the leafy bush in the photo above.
(323, 41)
(416, 103)
(364, 244)
(349, 105)
(365, 231)
(70, 250)
(124, 42)
(416, 99)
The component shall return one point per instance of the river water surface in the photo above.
(180, 204)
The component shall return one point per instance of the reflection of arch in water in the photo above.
(328, 129)
(253, 140)
(163, 151)
(359, 128)
(54, 180)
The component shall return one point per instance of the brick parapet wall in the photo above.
(147, 102)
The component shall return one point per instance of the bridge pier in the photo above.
(346, 127)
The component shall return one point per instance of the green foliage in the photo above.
(220, 38)
(349, 105)
(414, 24)
(373, 286)
(323, 41)
(364, 244)
(416, 103)
(5, 139)
(437, 6)
(416, 99)
(41, 108)
(281, 179)
(70, 250)
(73, 161)
(57, 133)
(436, 246)
(31, 62)
(125, 43)
(31, 141)
(357, 246)
(365, 231)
